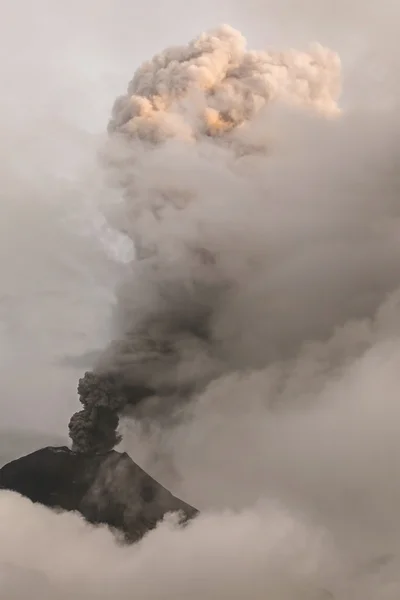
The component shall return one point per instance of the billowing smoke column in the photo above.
(186, 128)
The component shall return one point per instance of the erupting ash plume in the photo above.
(186, 128)
(254, 367)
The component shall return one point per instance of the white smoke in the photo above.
(266, 543)
(207, 90)
(303, 414)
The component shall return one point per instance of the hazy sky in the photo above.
(317, 435)
(62, 65)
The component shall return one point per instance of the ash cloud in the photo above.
(252, 208)
(183, 145)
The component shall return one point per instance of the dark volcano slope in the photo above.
(105, 488)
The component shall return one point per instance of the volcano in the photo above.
(108, 488)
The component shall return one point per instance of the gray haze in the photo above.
(293, 451)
